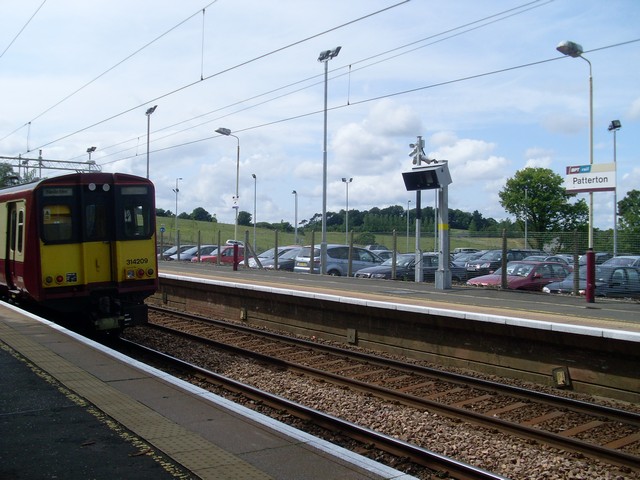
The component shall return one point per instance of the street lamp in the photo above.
(176, 190)
(346, 234)
(90, 150)
(614, 126)
(227, 132)
(575, 50)
(148, 114)
(324, 57)
(255, 191)
(526, 216)
(408, 208)
(295, 218)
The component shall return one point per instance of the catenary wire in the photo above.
(468, 27)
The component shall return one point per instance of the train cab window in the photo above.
(135, 212)
(95, 222)
(56, 223)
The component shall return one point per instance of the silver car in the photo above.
(337, 260)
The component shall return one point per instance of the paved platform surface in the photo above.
(604, 313)
(73, 409)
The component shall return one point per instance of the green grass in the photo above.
(209, 233)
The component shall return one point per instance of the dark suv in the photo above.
(492, 260)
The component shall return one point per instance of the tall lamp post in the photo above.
(614, 126)
(347, 181)
(324, 57)
(176, 190)
(574, 50)
(255, 191)
(526, 216)
(408, 209)
(295, 218)
(227, 132)
(148, 114)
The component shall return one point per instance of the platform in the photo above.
(75, 409)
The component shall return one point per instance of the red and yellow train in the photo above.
(81, 243)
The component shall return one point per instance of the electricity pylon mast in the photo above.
(27, 167)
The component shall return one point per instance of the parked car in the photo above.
(611, 281)
(406, 268)
(286, 261)
(268, 255)
(383, 254)
(566, 259)
(601, 257)
(337, 260)
(624, 261)
(525, 275)
(225, 253)
(461, 259)
(188, 254)
(172, 251)
(375, 246)
(492, 260)
(464, 250)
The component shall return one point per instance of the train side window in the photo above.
(56, 223)
(20, 230)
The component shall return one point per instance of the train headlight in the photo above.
(150, 272)
(48, 279)
(130, 273)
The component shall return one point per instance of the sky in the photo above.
(481, 82)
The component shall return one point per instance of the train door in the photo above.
(14, 269)
(97, 233)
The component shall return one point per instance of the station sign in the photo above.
(598, 177)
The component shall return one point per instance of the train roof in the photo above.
(81, 178)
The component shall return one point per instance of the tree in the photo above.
(7, 176)
(537, 195)
(201, 215)
(244, 218)
(629, 212)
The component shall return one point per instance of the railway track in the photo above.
(600, 432)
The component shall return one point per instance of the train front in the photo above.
(98, 246)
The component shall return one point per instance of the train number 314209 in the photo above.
(137, 261)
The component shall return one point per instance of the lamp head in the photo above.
(223, 131)
(327, 55)
(571, 49)
(253, 175)
(615, 125)
(151, 110)
(93, 149)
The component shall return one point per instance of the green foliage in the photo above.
(244, 219)
(538, 195)
(629, 212)
(7, 175)
(201, 215)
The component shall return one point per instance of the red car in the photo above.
(525, 275)
(226, 255)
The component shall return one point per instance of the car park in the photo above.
(610, 281)
(225, 253)
(188, 254)
(524, 275)
(268, 255)
(461, 259)
(492, 260)
(337, 260)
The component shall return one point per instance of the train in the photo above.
(81, 243)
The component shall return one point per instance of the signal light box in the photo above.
(427, 178)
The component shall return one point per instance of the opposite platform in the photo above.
(162, 427)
